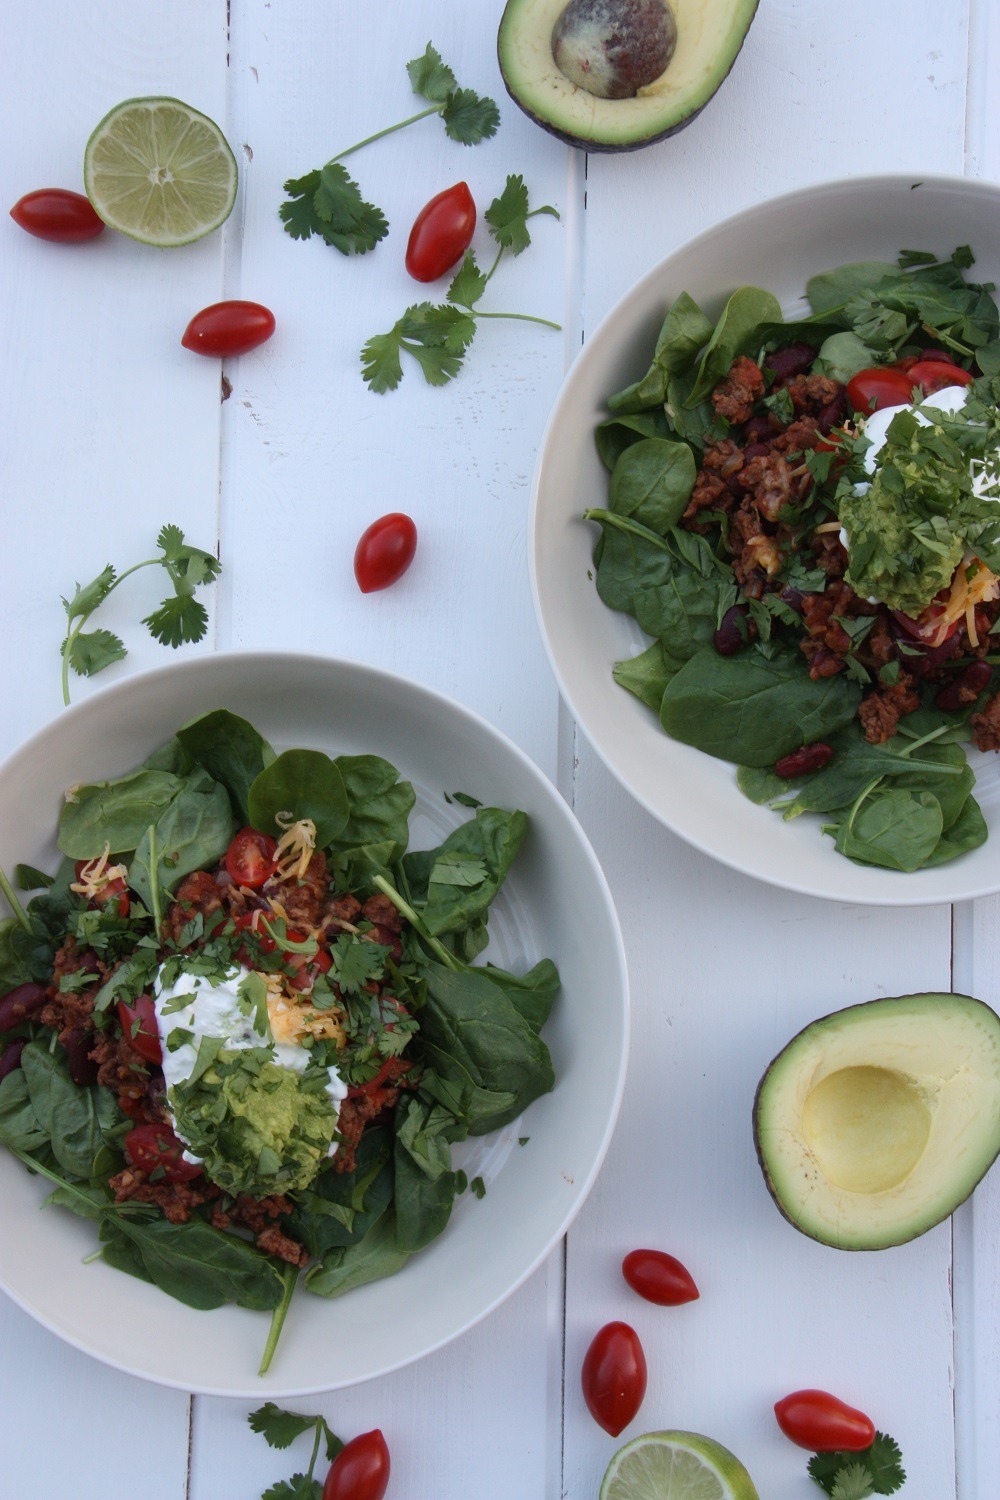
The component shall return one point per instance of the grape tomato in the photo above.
(58, 215)
(384, 552)
(441, 233)
(228, 328)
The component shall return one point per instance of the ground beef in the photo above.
(735, 396)
(302, 900)
(196, 893)
(175, 1200)
(343, 908)
(881, 711)
(261, 1216)
(810, 393)
(709, 493)
(771, 484)
(986, 725)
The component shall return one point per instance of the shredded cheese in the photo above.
(964, 595)
(292, 1017)
(96, 875)
(295, 847)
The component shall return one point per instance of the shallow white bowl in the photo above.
(555, 903)
(777, 245)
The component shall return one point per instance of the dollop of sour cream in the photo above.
(201, 1007)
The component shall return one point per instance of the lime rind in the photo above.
(676, 1466)
(160, 172)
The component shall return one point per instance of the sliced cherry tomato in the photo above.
(227, 328)
(155, 1148)
(384, 552)
(265, 942)
(614, 1376)
(871, 390)
(935, 374)
(113, 889)
(249, 860)
(823, 1423)
(57, 214)
(441, 233)
(138, 1021)
(305, 966)
(659, 1278)
(361, 1469)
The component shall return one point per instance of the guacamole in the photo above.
(259, 1128)
(911, 527)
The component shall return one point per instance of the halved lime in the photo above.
(676, 1466)
(160, 171)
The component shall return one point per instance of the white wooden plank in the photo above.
(109, 430)
(724, 971)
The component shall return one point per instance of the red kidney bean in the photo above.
(802, 762)
(20, 1003)
(755, 450)
(833, 413)
(795, 359)
(965, 688)
(82, 1067)
(757, 429)
(731, 635)
(10, 1058)
(931, 657)
(792, 597)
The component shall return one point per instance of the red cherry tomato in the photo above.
(249, 860)
(138, 1021)
(384, 552)
(614, 1376)
(441, 233)
(659, 1278)
(155, 1148)
(264, 941)
(305, 966)
(228, 328)
(934, 374)
(871, 390)
(823, 1423)
(57, 214)
(361, 1469)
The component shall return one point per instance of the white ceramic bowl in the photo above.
(555, 902)
(777, 245)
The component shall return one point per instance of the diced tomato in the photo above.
(936, 374)
(155, 1149)
(137, 1019)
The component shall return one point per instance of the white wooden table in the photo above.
(110, 429)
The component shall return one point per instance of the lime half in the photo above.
(159, 171)
(676, 1466)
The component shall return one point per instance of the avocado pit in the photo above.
(614, 48)
(867, 1127)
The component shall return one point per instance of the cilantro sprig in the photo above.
(280, 1429)
(181, 617)
(438, 335)
(877, 1470)
(328, 202)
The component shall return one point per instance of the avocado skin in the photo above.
(904, 1237)
(583, 142)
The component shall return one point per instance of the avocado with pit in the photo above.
(613, 75)
(876, 1122)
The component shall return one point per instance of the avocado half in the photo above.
(709, 35)
(876, 1122)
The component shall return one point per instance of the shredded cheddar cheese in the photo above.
(96, 875)
(292, 1017)
(963, 596)
(295, 847)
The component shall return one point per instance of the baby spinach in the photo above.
(967, 832)
(685, 331)
(231, 751)
(20, 1128)
(114, 814)
(377, 829)
(752, 709)
(340, 1207)
(616, 434)
(454, 885)
(896, 829)
(844, 354)
(198, 1265)
(652, 482)
(647, 674)
(372, 1258)
(425, 1184)
(300, 784)
(829, 291)
(746, 310)
(192, 833)
(76, 1120)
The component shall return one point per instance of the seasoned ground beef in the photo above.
(986, 725)
(735, 396)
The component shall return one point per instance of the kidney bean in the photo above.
(731, 635)
(755, 450)
(792, 597)
(758, 429)
(965, 688)
(931, 657)
(795, 359)
(833, 413)
(10, 1058)
(20, 1003)
(82, 1068)
(802, 762)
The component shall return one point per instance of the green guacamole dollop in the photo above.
(259, 1128)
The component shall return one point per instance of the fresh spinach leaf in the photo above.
(439, 878)
(751, 709)
(830, 291)
(231, 751)
(375, 1256)
(340, 1207)
(685, 331)
(20, 1127)
(844, 354)
(377, 830)
(76, 1120)
(746, 310)
(647, 674)
(652, 482)
(967, 832)
(614, 435)
(201, 1266)
(425, 1184)
(302, 784)
(192, 833)
(895, 829)
(114, 814)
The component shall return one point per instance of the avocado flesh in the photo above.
(876, 1122)
(710, 34)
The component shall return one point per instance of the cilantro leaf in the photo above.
(882, 1463)
(430, 77)
(357, 961)
(509, 213)
(299, 1487)
(279, 1428)
(93, 652)
(469, 118)
(89, 595)
(469, 282)
(187, 566)
(178, 620)
(436, 336)
(328, 203)
(852, 1483)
